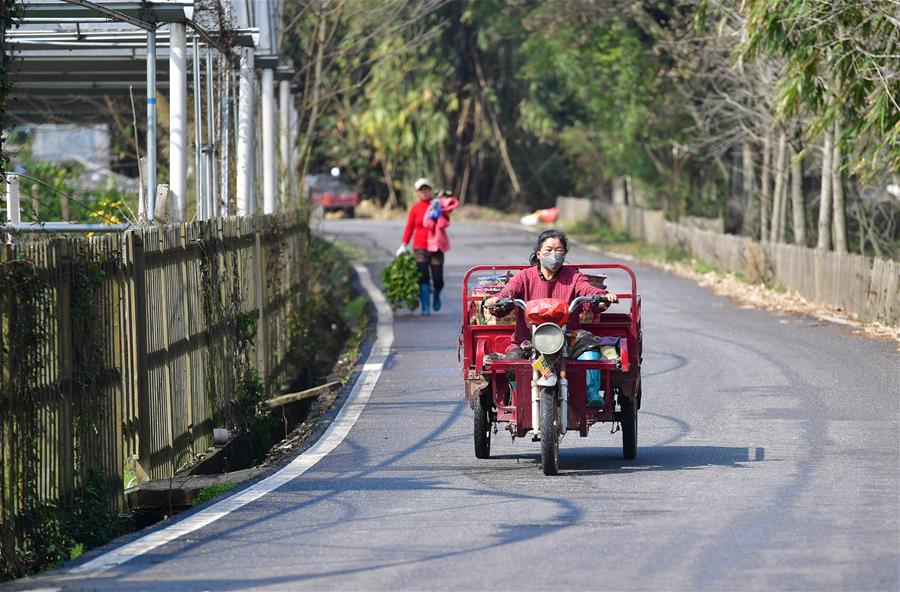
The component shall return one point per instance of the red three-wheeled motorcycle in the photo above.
(556, 389)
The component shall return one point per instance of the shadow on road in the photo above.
(312, 492)
(587, 461)
(584, 462)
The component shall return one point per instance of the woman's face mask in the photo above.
(552, 260)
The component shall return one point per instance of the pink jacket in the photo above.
(529, 284)
(437, 233)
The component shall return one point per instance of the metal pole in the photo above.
(13, 211)
(177, 122)
(66, 227)
(198, 139)
(236, 111)
(211, 180)
(245, 158)
(284, 112)
(296, 182)
(226, 148)
(268, 139)
(150, 191)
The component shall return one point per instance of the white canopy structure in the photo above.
(70, 53)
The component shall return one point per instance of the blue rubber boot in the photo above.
(437, 300)
(425, 298)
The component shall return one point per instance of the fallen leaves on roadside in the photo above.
(759, 296)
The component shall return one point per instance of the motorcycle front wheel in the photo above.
(549, 432)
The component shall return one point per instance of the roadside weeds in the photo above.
(359, 318)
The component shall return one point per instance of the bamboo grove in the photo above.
(779, 115)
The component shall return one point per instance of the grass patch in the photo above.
(775, 287)
(355, 310)
(213, 491)
(130, 475)
(703, 267)
(349, 252)
(676, 254)
(601, 234)
(607, 235)
(741, 277)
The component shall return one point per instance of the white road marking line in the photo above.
(337, 431)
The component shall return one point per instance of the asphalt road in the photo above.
(769, 459)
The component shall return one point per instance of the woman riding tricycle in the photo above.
(541, 355)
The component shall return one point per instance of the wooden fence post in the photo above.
(140, 366)
(259, 280)
(62, 274)
(162, 314)
(188, 288)
(7, 460)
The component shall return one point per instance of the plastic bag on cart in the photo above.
(547, 310)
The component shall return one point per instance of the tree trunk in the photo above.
(464, 182)
(861, 221)
(837, 188)
(479, 174)
(866, 232)
(750, 199)
(775, 232)
(797, 201)
(393, 199)
(461, 158)
(306, 146)
(824, 230)
(765, 195)
(783, 197)
(35, 205)
(495, 126)
(64, 206)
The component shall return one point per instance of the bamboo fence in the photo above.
(126, 350)
(866, 287)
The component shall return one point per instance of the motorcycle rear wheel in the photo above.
(629, 421)
(482, 427)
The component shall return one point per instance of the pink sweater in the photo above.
(529, 284)
(437, 229)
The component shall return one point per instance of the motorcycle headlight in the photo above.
(548, 338)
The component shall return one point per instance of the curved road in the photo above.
(769, 459)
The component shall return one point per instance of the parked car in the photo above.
(332, 193)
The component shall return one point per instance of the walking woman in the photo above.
(426, 226)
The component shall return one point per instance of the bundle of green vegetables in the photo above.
(401, 282)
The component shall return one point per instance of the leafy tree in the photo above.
(839, 68)
(405, 119)
(337, 47)
(705, 107)
(840, 62)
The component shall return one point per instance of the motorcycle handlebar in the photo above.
(595, 299)
(507, 302)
